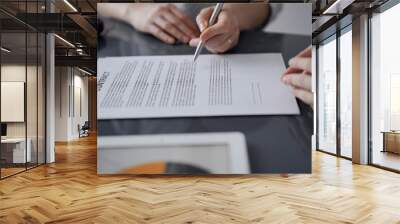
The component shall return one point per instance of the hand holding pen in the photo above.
(219, 37)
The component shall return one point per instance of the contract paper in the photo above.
(175, 86)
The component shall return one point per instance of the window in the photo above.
(385, 89)
(327, 96)
(346, 93)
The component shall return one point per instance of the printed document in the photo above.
(175, 86)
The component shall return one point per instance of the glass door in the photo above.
(326, 69)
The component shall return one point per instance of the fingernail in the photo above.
(285, 80)
(193, 43)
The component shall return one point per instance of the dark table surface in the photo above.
(276, 144)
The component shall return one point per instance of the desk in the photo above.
(276, 144)
(391, 141)
(13, 150)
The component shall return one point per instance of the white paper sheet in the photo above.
(174, 86)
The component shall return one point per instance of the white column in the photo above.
(314, 90)
(360, 90)
(50, 92)
(50, 98)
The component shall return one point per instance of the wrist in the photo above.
(231, 12)
(134, 14)
(129, 16)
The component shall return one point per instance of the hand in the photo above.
(221, 36)
(164, 21)
(298, 76)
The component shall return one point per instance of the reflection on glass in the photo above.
(41, 98)
(14, 146)
(23, 91)
(327, 97)
(31, 100)
(345, 94)
(31, 86)
(385, 114)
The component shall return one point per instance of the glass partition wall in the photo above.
(326, 60)
(13, 109)
(22, 107)
(345, 93)
(385, 89)
(334, 94)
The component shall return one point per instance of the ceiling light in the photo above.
(65, 41)
(84, 71)
(70, 5)
(337, 7)
(5, 50)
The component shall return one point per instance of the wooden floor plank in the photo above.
(69, 191)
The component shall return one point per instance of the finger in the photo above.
(212, 43)
(305, 53)
(194, 42)
(203, 18)
(185, 18)
(301, 63)
(302, 81)
(171, 18)
(304, 95)
(219, 44)
(177, 25)
(290, 70)
(160, 34)
(217, 41)
(219, 28)
(171, 29)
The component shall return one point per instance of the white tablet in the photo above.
(215, 153)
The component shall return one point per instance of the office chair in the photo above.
(84, 130)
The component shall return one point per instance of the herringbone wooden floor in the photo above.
(69, 191)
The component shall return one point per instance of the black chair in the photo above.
(84, 130)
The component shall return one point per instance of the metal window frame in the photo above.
(333, 37)
(44, 74)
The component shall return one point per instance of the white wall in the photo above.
(79, 117)
(62, 81)
(33, 126)
(14, 73)
(17, 73)
(70, 83)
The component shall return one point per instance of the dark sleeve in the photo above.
(267, 18)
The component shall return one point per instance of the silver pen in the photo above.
(213, 18)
